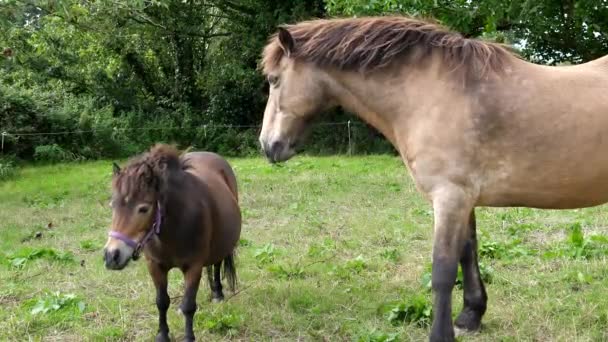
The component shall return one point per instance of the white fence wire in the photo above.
(16, 135)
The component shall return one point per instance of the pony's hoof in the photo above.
(217, 299)
(467, 323)
(162, 338)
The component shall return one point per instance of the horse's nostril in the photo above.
(275, 150)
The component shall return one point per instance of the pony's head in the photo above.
(138, 199)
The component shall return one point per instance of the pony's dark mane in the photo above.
(149, 171)
(367, 44)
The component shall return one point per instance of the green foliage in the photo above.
(378, 336)
(57, 301)
(52, 153)
(223, 323)
(504, 251)
(89, 245)
(390, 254)
(117, 78)
(265, 255)
(577, 246)
(284, 271)
(7, 168)
(244, 242)
(349, 268)
(20, 258)
(416, 309)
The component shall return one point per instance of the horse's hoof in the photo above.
(217, 299)
(162, 338)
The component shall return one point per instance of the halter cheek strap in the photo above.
(139, 245)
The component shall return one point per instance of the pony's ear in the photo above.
(115, 169)
(286, 41)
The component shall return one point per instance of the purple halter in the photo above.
(139, 245)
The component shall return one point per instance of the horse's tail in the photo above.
(230, 271)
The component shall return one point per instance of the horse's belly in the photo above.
(546, 195)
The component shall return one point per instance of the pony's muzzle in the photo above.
(111, 258)
(117, 256)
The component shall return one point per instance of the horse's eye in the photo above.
(143, 209)
(273, 80)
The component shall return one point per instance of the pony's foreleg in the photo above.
(475, 297)
(452, 206)
(159, 277)
(192, 277)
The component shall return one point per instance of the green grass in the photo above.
(333, 248)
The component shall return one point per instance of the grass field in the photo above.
(332, 249)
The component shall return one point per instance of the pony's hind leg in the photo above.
(159, 277)
(475, 297)
(192, 275)
(216, 283)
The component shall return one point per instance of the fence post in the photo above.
(205, 130)
(350, 147)
(3, 135)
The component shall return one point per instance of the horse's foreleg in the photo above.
(192, 277)
(159, 277)
(475, 297)
(451, 211)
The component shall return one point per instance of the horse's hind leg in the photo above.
(159, 277)
(192, 275)
(475, 297)
(215, 282)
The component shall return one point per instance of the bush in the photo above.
(53, 153)
(7, 168)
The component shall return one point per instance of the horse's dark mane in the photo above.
(149, 171)
(367, 44)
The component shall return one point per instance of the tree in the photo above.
(548, 31)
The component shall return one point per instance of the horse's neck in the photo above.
(388, 100)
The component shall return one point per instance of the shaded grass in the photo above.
(330, 247)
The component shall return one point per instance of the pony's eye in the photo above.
(143, 209)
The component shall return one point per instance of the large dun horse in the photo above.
(181, 212)
(475, 125)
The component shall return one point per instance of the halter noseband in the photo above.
(139, 245)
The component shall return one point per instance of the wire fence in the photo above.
(15, 136)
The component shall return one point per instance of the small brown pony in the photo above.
(182, 212)
(475, 124)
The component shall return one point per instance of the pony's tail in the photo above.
(230, 271)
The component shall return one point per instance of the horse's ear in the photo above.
(286, 41)
(115, 169)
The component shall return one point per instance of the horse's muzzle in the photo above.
(277, 151)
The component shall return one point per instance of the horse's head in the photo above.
(298, 90)
(138, 199)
